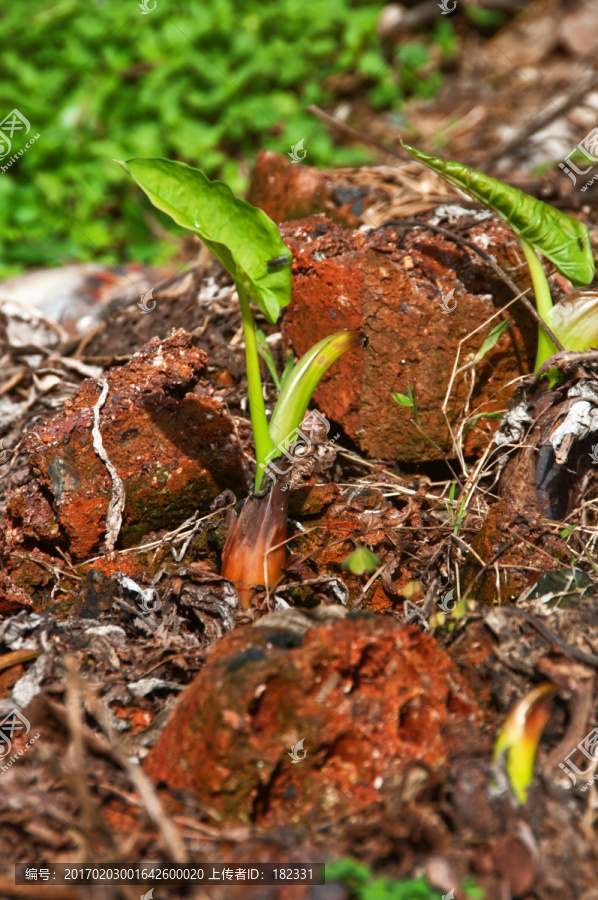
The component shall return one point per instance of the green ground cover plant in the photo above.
(365, 885)
(201, 82)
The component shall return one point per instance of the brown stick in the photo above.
(354, 133)
(576, 93)
(8, 660)
(566, 358)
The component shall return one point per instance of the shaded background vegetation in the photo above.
(208, 82)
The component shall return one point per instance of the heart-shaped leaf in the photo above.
(240, 235)
(560, 238)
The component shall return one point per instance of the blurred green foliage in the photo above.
(364, 885)
(208, 82)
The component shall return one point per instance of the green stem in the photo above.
(543, 301)
(257, 409)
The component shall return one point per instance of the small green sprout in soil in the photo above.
(361, 561)
(517, 743)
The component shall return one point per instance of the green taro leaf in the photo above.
(560, 238)
(241, 236)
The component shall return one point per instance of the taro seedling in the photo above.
(249, 246)
(518, 741)
(540, 227)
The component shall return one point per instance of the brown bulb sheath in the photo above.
(261, 525)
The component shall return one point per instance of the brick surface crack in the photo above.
(116, 506)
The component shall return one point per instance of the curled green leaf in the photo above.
(520, 736)
(403, 400)
(560, 238)
(409, 400)
(300, 384)
(575, 320)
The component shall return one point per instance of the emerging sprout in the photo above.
(249, 246)
(575, 320)
(520, 736)
(540, 227)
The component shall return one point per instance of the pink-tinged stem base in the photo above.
(261, 525)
